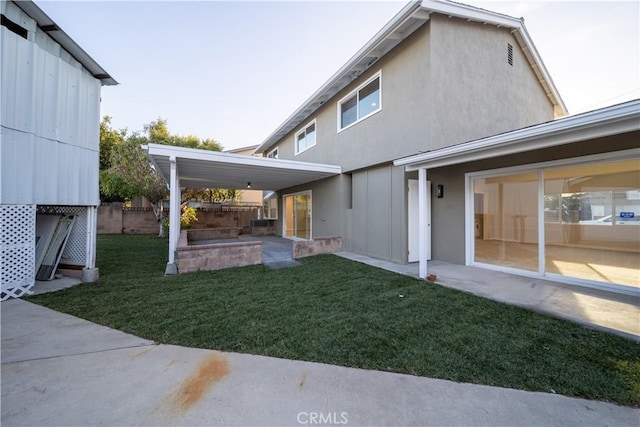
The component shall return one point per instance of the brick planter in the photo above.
(215, 256)
(317, 246)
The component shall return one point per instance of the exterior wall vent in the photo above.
(510, 54)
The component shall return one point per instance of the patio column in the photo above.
(90, 272)
(422, 222)
(174, 217)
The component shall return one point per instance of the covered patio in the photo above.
(192, 168)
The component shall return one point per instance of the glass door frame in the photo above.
(284, 214)
(539, 168)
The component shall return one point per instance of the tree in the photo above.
(125, 170)
(109, 139)
(131, 175)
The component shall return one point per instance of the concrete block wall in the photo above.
(317, 246)
(113, 219)
(110, 218)
(139, 221)
(212, 233)
(216, 256)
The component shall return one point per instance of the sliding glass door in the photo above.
(297, 218)
(506, 220)
(578, 220)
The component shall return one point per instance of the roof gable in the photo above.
(401, 26)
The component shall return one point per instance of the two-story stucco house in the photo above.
(438, 75)
(444, 138)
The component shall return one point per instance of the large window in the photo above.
(360, 104)
(592, 221)
(306, 138)
(270, 206)
(578, 220)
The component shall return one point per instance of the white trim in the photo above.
(541, 223)
(355, 93)
(271, 155)
(540, 168)
(423, 214)
(284, 215)
(271, 195)
(304, 129)
(607, 121)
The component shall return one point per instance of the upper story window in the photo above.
(361, 103)
(273, 154)
(306, 138)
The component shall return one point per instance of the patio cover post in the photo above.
(174, 217)
(422, 222)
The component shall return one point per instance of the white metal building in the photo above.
(49, 143)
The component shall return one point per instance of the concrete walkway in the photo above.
(61, 370)
(619, 314)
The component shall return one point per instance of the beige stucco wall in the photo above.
(477, 92)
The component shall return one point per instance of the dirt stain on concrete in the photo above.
(212, 369)
(303, 380)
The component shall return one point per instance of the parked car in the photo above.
(608, 220)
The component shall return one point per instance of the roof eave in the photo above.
(607, 121)
(67, 43)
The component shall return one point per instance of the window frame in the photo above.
(355, 92)
(273, 154)
(304, 129)
(268, 200)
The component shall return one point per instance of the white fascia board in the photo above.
(471, 13)
(604, 122)
(237, 159)
(535, 60)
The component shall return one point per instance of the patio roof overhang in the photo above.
(211, 169)
(193, 168)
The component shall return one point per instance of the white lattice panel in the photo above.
(75, 252)
(17, 247)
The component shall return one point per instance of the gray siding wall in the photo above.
(377, 218)
(447, 214)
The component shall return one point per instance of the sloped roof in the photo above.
(47, 25)
(401, 26)
(612, 120)
(198, 168)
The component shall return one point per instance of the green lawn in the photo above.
(341, 312)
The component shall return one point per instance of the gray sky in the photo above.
(234, 71)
